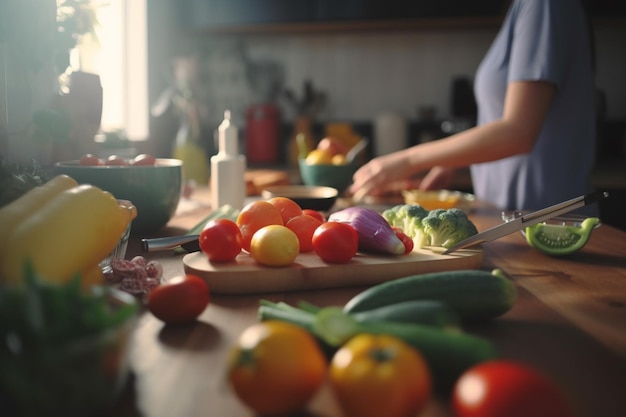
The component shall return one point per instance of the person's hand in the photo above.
(375, 177)
(438, 178)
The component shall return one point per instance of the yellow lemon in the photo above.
(318, 157)
(274, 245)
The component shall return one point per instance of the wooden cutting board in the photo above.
(245, 276)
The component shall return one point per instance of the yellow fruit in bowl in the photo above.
(339, 159)
(318, 157)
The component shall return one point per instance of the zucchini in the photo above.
(425, 312)
(473, 294)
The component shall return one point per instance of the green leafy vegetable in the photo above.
(42, 314)
(439, 227)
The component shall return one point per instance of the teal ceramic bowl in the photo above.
(335, 176)
(154, 190)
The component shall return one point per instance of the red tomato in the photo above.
(90, 160)
(115, 160)
(406, 239)
(503, 388)
(314, 213)
(180, 300)
(335, 242)
(304, 226)
(221, 240)
(143, 159)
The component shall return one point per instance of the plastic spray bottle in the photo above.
(228, 168)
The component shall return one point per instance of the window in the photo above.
(119, 56)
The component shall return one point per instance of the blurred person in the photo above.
(534, 142)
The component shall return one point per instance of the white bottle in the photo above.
(228, 168)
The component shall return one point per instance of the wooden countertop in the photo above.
(569, 321)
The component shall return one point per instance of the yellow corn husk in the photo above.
(23, 207)
(68, 236)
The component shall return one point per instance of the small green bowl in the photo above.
(154, 190)
(335, 176)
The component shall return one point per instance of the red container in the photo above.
(262, 126)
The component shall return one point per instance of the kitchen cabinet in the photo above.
(245, 16)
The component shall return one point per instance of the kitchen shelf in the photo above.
(353, 26)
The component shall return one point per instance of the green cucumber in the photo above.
(425, 312)
(473, 294)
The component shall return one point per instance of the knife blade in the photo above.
(528, 219)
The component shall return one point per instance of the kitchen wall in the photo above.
(364, 73)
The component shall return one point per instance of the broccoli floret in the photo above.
(408, 217)
(448, 227)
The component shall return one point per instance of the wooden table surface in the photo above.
(569, 321)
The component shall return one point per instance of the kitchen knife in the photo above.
(528, 219)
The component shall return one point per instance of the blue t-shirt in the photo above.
(544, 40)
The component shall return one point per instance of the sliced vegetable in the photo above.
(473, 294)
(554, 239)
(375, 233)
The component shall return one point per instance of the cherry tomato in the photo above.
(90, 160)
(287, 207)
(115, 160)
(502, 388)
(275, 367)
(335, 242)
(254, 216)
(379, 375)
(406, 239)
(304, 226)
(314, 213)
(181, 299)
(143, 159)
(221, 240)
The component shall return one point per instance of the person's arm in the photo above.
(526, 105)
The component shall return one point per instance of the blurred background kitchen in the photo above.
(155, 76)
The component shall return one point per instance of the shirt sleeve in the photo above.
(539, 41)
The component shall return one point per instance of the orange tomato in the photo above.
(287, 207)
(379, 375)
(254, 216)
(304, 227)
(275, 368)
(274, 245)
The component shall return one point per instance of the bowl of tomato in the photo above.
(154, 185)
